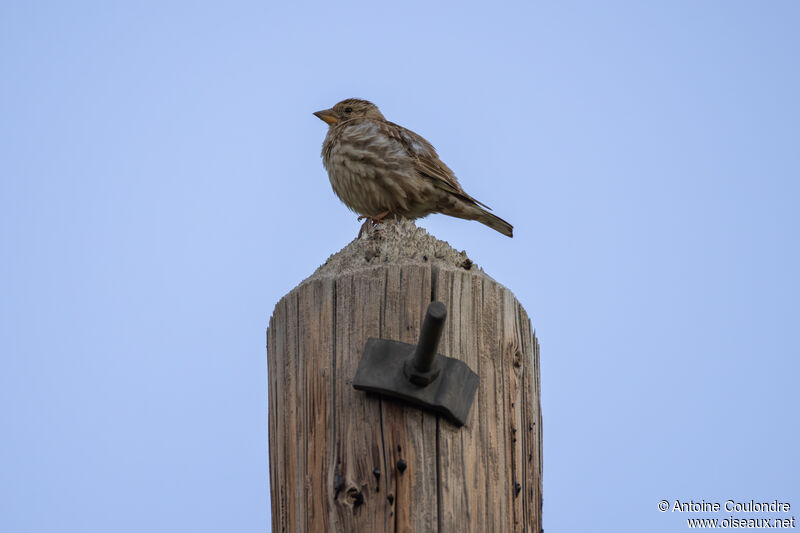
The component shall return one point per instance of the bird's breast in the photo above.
(372, 173)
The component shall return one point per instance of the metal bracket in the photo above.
(417, 374)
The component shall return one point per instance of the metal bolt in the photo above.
(421, 367)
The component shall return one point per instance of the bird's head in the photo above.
(349, 109)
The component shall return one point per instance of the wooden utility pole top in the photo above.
(346, 460)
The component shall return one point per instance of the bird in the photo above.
(380, 169)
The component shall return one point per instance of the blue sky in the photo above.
(161, 189)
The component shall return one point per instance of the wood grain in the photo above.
(343, 460)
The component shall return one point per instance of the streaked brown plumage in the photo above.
(379, 169)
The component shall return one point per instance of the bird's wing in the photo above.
(427, 162)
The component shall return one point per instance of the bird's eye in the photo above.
(348, 109)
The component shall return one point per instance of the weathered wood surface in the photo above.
(335, 452)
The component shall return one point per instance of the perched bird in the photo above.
(379, 169)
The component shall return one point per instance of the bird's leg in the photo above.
(377, 219)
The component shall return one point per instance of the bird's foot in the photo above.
(377, 219)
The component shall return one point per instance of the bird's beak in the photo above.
(328, 116)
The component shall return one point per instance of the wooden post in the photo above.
(343, 460)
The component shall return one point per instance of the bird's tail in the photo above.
(468, 209)
(496, 223)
